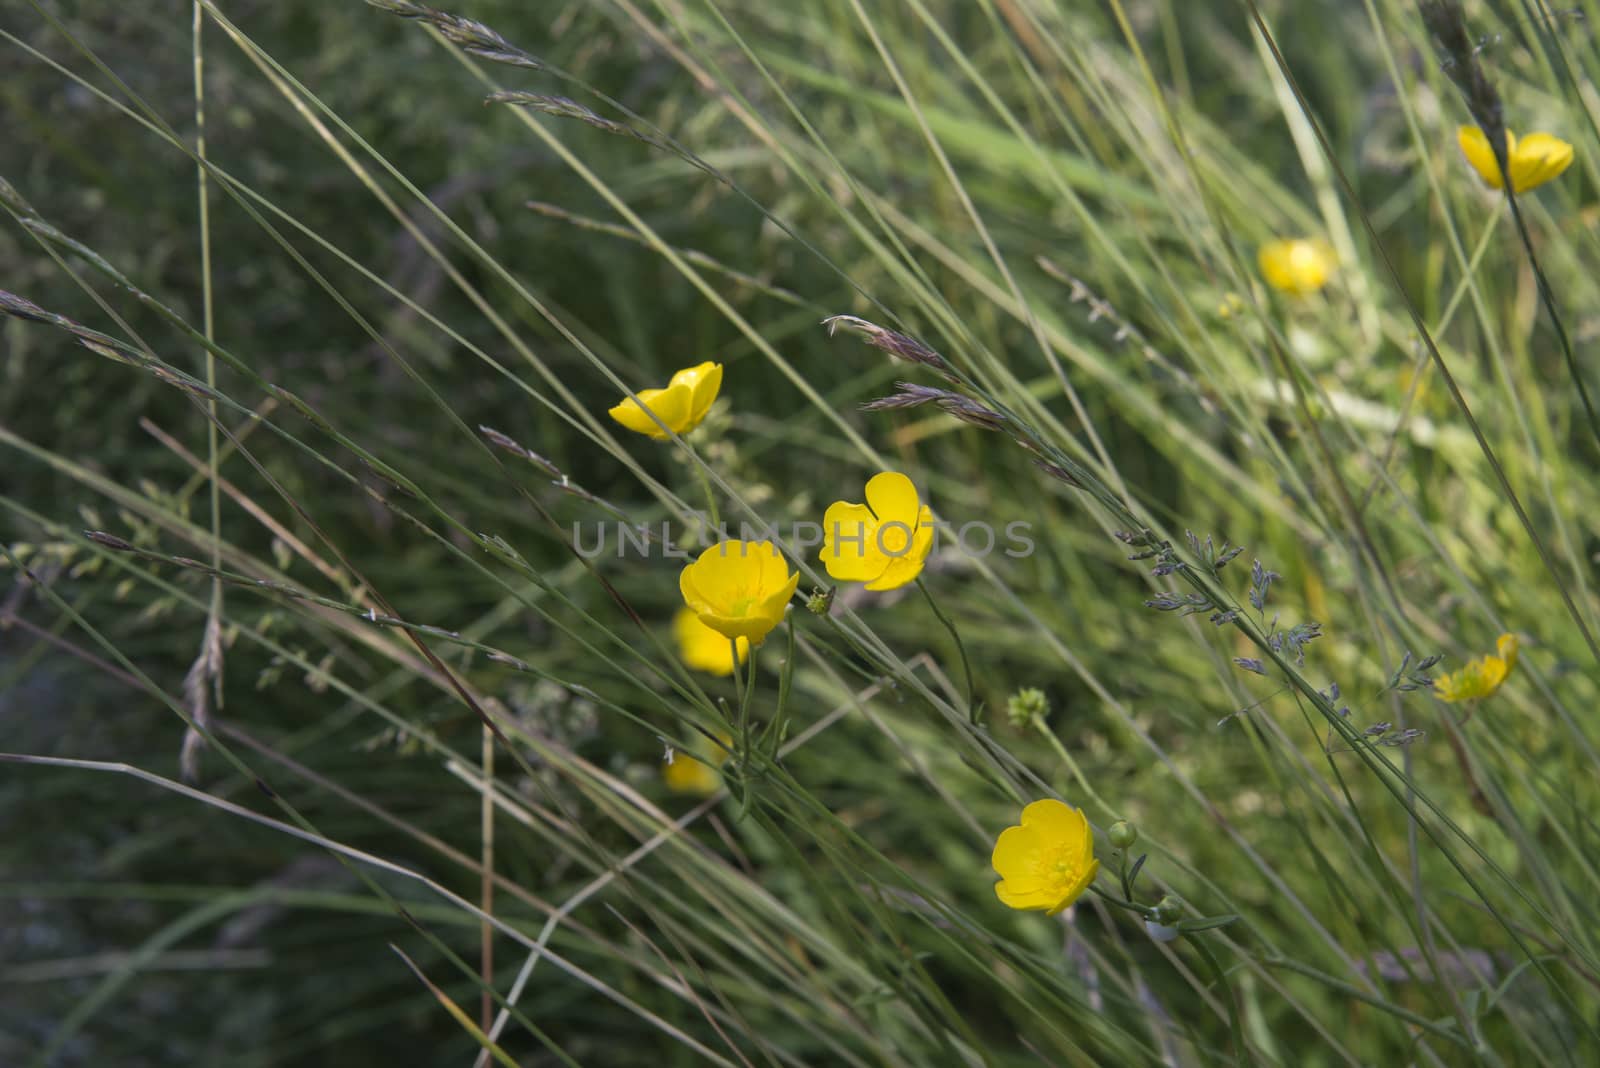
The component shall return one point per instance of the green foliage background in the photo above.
(1065, 200)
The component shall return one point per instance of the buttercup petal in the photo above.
(671, 406)
(1508, 647)
(715, 579)
(1081, 843)
(773, 568)
(1311, 263)
(1468, 683)
(1475, 146)
(893, 498)
(704, 380)
(1538, 158)
(1493, 673)
(1054, 819)
(908, 565)
(1271, 258)
(753, 628)
(703, 648)
(1031, 900)
(727, 572)
(697, 601)
(686, 775)
(850, 543)
(1526, 173)
(774, 604)
(1015, 853)
(1297, 267)
(698, 593)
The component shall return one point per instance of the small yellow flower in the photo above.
(681, 405)
(1048, 862)
(703, 648)
(1534, 160)
(739, 588)
(884, 542)
(1296, 266)
(688, 774)
(1479, 678)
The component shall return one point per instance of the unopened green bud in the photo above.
(1123, 834)
(1168, 909)
(820, 601)
(1027, 706)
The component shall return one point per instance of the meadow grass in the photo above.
(325, 741)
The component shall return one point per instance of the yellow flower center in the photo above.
(1055, 866)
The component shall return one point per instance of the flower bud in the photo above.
(1027, 706)
(1168, 909)
(1123, 834)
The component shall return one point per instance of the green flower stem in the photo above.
(1240, 1056)
(749, 686)
(1548, 298)
(705, 487)
(744, 684)
(1072, 766)
(1110, 899)
(785, 676)
(966, 667)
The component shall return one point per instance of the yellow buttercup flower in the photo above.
(685, 773)
(703, 648)
(739, 588)
(681, 405)
(1296, 266)
(1047, 862)
(1479, 678)
(1534, 160)
(884, 542)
